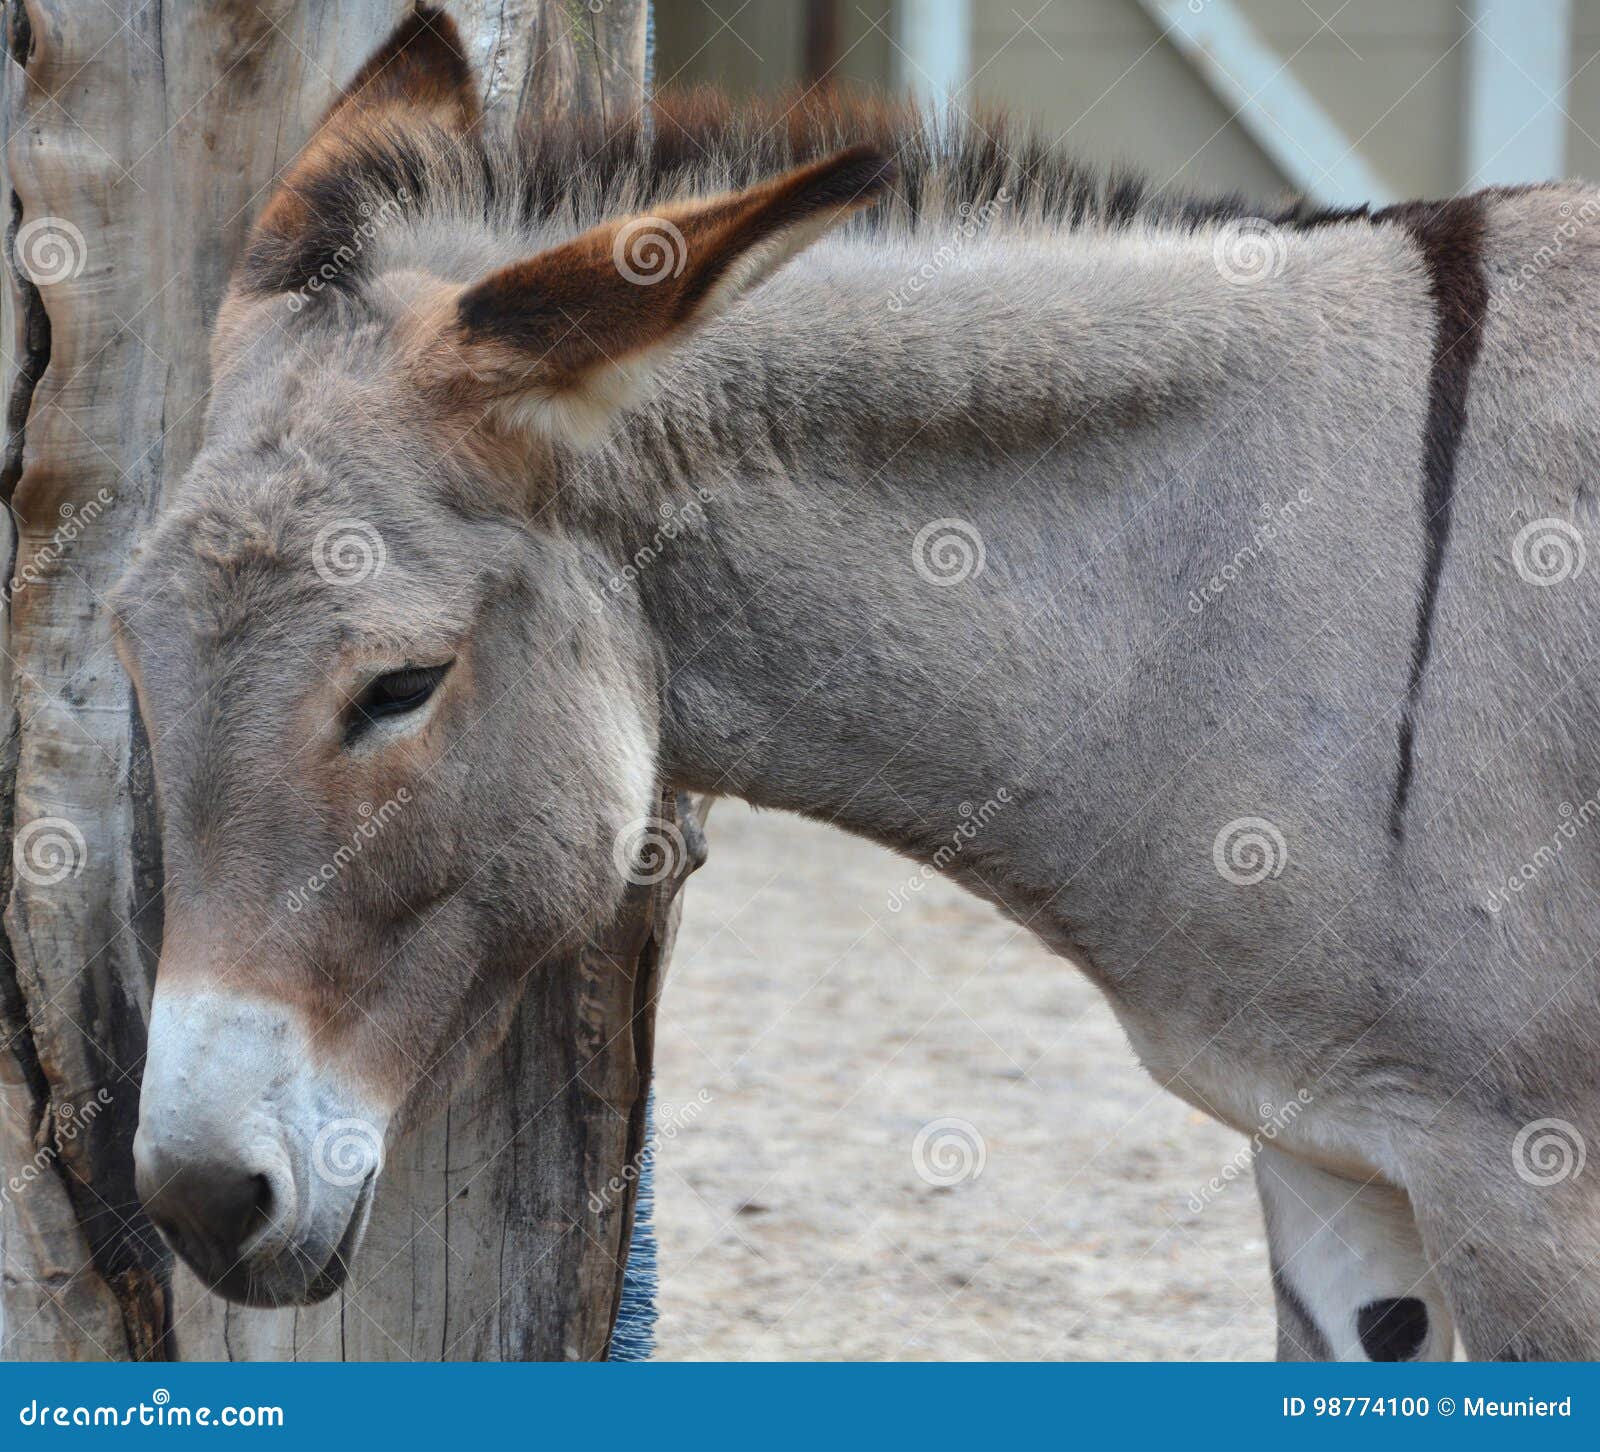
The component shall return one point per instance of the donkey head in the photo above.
(395, 745)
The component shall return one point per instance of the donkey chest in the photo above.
(1250, 1093)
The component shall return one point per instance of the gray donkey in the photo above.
(1238, 561)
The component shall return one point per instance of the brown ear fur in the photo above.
(421, 65)
(557, 324)
(420, 75)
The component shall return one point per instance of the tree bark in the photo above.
(139, 142)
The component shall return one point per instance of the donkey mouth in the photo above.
(336, 1271)
(302, 1273)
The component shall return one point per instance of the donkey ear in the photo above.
(419, 75)
(564, 340)
(422, 66)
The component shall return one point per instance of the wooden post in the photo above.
(139, 142)
(819, 43)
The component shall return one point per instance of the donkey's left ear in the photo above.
(564, 340)
(419, 81)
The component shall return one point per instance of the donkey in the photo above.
(1238, 560)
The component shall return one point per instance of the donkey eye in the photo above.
(393, 694)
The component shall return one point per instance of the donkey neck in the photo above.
(934, 550)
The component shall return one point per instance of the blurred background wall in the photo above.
(1359, 100)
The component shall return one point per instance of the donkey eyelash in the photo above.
(394, 693)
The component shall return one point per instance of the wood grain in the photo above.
(142, 139)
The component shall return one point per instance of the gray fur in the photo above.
(1117, 419)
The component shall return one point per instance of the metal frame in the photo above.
(1260, 91)
(1519, 59)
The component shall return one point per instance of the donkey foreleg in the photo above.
(1510, 1213)
(1348, 1269)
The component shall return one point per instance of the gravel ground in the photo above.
(809, 1035)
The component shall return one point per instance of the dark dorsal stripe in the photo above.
(1450, 235)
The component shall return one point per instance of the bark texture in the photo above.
(139, 142)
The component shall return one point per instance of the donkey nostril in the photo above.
(262, 1211)
(212, 1214)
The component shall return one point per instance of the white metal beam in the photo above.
(1257, 86)
(933, 49)
(1519, 59)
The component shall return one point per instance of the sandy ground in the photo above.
(809, 1035)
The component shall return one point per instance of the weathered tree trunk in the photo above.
(139, 142)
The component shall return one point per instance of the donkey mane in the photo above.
(702, 140)
(575, 173)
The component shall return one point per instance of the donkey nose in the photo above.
(213, 1208)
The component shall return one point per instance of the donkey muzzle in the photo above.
(257, 1169)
